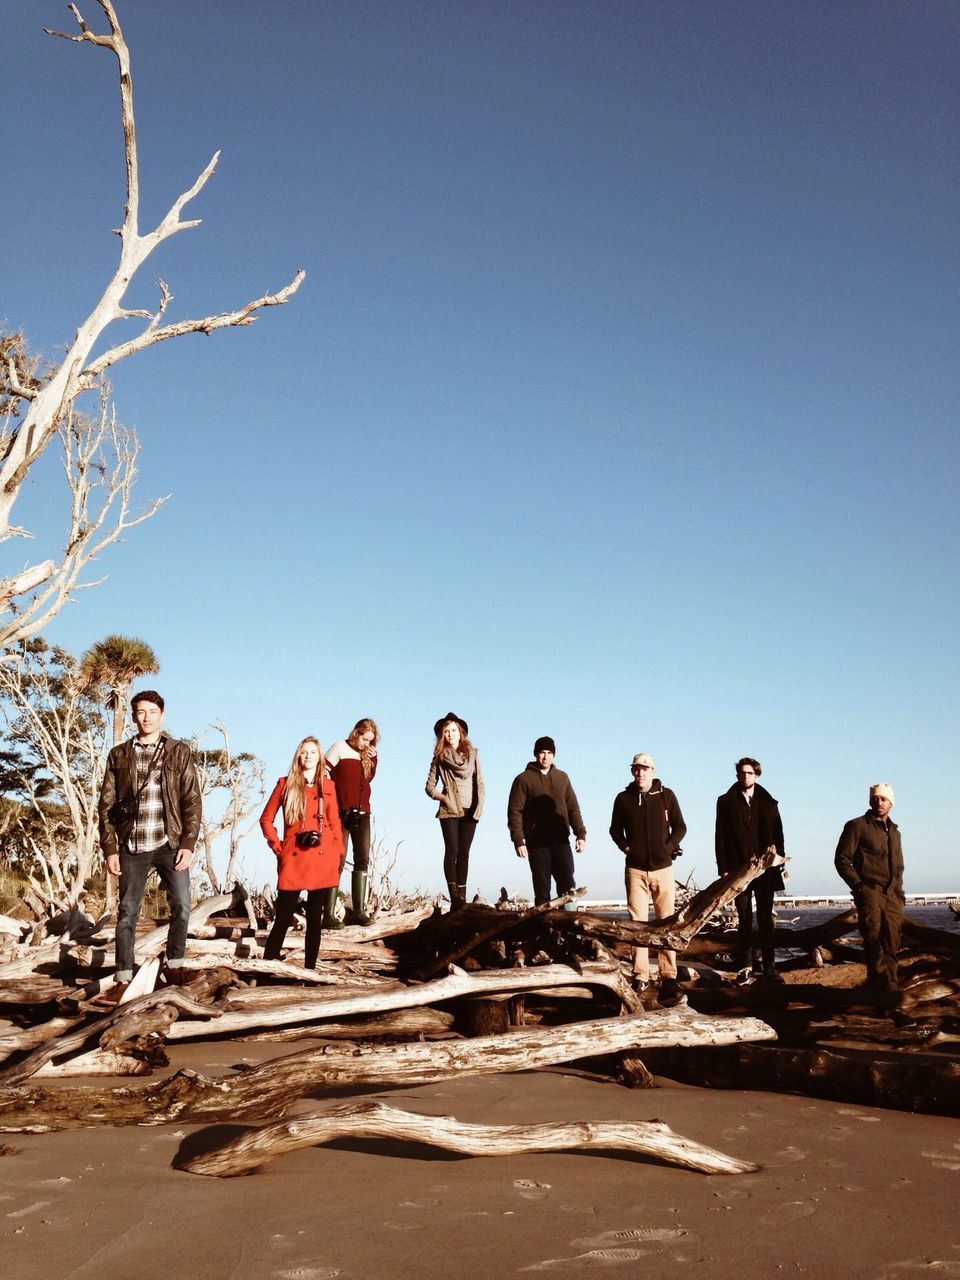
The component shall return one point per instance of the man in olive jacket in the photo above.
(870, 859)
(149, 814)
(542, 808)
(748, 825)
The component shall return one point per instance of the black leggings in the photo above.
(458, 836)
(286, 905)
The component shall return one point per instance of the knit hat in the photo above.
(642, 757)
(882, 789)
(456, 720)
(544, 744)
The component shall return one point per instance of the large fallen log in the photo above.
(321, 1004)
(403, 1023)
(23, 1038)
(267, 1090)
(377, 1120)
(903, 1082)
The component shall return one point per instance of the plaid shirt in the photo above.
(150, 832)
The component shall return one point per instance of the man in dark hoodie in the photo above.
(748, 824)
(540, 812)
(647, 826)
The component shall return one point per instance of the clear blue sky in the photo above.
(619, 404)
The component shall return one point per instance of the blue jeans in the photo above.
(554, 860)
(134, 870)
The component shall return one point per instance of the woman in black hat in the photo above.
(456, 782)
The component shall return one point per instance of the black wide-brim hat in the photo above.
(451, 715)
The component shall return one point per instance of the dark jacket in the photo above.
(870, 853)
(542, 808)
(647, 826)
(744, 831)
(179, 788)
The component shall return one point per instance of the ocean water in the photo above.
(934, 916)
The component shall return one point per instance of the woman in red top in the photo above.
(309, 853)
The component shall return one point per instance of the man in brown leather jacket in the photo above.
(149, 819)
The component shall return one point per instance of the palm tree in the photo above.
(113, 664)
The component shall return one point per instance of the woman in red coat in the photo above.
(309, 853)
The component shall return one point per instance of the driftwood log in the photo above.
(402, 1023)
(323, 1004)
(376, 1120)
(673, 932)
(268, 1089)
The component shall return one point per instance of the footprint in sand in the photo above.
(598, 1257)
(630, 1236)
(934, 1266)
(321, 1272)
(943, 1159)
(788, 1155)
(858, 1115)
(531, 1190)
(789, 1212)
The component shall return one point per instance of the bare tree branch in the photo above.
(50, 402)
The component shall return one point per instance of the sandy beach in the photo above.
(843, 1191)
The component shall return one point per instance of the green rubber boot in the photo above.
(358, 891)
(330, 918)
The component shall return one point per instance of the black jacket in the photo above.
(542, 808)
(647, 826)
(745, 830)
(179, 788)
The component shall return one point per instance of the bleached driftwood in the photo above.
(266, 1091)
(23, 1038)
(407, 1023)
(75, 1040)
(96, 1063)
(674, 932)
(377, 1120)
(14, 928)
(321, 1004)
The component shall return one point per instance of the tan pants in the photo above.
(658, 887)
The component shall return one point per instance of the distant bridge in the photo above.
(841, 901)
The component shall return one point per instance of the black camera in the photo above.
(349, 816)
(122, 815)
(308, 839)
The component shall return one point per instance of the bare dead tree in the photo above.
(66, 734)
(35, 407)
(100, 465)
(241, 776)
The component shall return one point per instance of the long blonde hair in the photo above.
(368, 754)
(294, 793)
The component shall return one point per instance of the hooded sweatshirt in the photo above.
(542, 808)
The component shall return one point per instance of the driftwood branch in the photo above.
(267, 1090)
(377, 1120)
(674, 932)
(331, 1004)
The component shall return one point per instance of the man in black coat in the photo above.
(748, 824)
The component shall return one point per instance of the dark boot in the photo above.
(358, 892)
(455, 903)
(330, 918)
(461, 895)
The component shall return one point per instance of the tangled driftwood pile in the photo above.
(423, 996)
